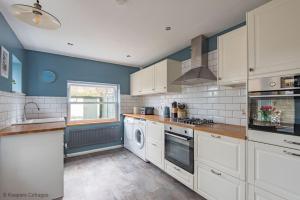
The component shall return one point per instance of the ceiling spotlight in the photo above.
(168, 28)
(70, 44)
(121, 2)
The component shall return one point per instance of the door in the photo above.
(128, 132)
(139, 138)
(147, 80)
(155, 143)
(223, 153)
(161, 76)
(273, 37)
(256, 193)
(135, 83)
(232, 55)
(214, 185)
(16, 74)
(275, 169)
(179, 150)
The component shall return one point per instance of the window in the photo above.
(16, 74)
(92, 101)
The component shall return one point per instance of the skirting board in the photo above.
(94, 151)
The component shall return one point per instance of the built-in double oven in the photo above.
(179, 147)
(274, 105)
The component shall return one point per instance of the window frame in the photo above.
(95, 84)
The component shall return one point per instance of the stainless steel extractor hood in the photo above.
(200, 73)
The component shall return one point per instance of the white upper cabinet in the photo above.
(161, 72)
(135, 83)
(273, 38)
(232, 57)
(157, 78)
(147, 80)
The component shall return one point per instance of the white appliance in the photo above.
(139, 137)
(128, 133)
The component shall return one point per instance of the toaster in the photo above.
(147, 110)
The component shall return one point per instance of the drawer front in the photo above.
(259, 194)
(154, 153)
(179, 174)
(155, 130)
(275, 169)
(223, 153)
(287, 141)
(214, 185)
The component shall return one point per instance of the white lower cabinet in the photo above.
(32, 163)
(274, 169)
(223, 153)
(155, 143)
(255, 193)
(215, 185)
(179, 174)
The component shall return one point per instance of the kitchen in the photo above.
(210, 113)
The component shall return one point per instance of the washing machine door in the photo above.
(139, 138)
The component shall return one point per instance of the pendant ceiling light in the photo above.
(35, 16)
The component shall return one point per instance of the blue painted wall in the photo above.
(9, 41)
(69, 68)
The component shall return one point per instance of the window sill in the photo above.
(87, 122)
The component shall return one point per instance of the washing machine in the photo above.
(139, 138)
(128, 132)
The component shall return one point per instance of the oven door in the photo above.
(275, 111)
(179, 150)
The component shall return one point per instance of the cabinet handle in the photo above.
(177, 169)
(154, 144)
(251, 69)
(216, 136)
(216, 173)
(291, 154)
(165, 87)
(219, 78)
(291, 142)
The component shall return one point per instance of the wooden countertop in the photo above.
(87, 122)
(233, 131)
(32, 128)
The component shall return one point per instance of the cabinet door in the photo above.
(273, 37)
(232, 63)
(161, 79)
(147, 80)
(214, 185)
(32, 163)
(275, 169)
(155, 143)
(223, 153)
(179, 174)
(135, 83)
(259, 194)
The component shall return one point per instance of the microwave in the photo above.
(147, 110)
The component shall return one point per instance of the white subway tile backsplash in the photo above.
(220, 103)
(11, 108)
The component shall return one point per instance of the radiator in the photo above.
(86, 136)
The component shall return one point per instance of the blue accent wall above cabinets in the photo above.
(185, 54)
(70, 68)
(9, 41)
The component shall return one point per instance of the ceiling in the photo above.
(109, 30)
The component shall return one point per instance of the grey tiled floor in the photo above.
(120, 175)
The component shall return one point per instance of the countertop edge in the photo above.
(236, 131)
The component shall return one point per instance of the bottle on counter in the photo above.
(174, 110)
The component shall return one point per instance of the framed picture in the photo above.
(4, 67)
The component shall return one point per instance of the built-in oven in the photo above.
(274, 105)
(179, 147)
